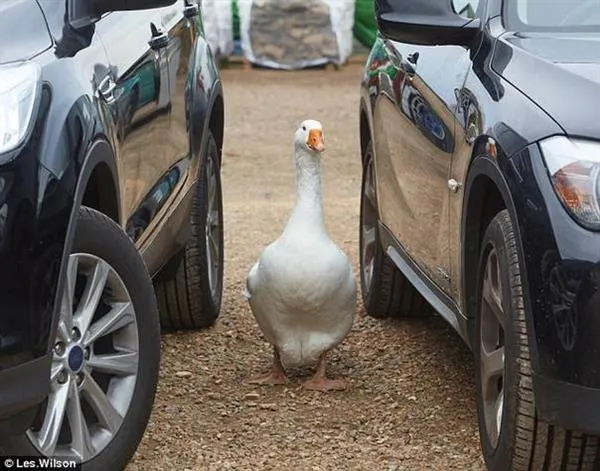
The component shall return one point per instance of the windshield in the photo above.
(553, 15)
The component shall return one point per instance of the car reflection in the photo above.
(390, 74)
(379, 65)
(562, 290)
(138, 90)
(153, 202)
(73, 39)
(469, 114)
(570, 286)
(421, 113)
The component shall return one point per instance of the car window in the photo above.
(466, 8)
(557, 15)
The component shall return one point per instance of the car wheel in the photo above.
(512, 437)
(106, 354)
(386, 291)
(191, 298)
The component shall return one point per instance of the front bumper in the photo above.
(35, 207)
(562, 264)
(569, 405)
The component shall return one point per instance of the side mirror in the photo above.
(424, 22)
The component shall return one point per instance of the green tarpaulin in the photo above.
(236, 21)
(365, 28)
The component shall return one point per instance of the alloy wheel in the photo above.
(492, 359)
(94, 366)
(213, 228)
(368, 225)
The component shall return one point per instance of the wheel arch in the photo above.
(204, 100)
(365, 129)
(100, 190)
(216, 120)
(487, 192)
(97, 186)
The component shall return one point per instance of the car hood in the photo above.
(561, 73)
(23, 30)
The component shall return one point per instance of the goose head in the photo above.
(309, 138)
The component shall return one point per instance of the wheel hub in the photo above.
(368, 239)
(492, 348)
(213, 229)
(96, 334)
(75, 359)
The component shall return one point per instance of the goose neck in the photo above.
(308, 211)
(308, 180)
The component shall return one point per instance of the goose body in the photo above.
(303, 297)
(302, 291)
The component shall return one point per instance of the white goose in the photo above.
(302, 290)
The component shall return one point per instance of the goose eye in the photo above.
(304, 128)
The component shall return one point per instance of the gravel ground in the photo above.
(410, 402)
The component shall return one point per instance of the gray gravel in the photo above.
(410, 403)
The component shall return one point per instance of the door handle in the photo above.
(191, 9)
(159, 38)
(106, 88)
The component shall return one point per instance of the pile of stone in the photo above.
(293, 34)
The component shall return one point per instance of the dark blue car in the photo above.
(480, 144)
(111, 129)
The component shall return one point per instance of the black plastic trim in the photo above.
(24, 386)
(567, 405)
(432, 294)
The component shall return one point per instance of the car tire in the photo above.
(100, 245)
(386, 291)
(189, 296)
(504, 374)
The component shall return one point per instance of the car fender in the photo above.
(204, 89)
(99, 153)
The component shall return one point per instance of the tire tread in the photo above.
(537, 445)
(184, 298)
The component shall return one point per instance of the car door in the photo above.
(136, 87)
(179, 24)
(170, 201)
(415, 118)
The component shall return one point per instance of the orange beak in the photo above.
(315, 140)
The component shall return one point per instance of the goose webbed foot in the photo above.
(274, 377)
(320, 382)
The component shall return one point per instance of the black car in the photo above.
(111, 129)
(481, 198)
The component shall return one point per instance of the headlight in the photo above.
(19, 89)
(574, 167)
